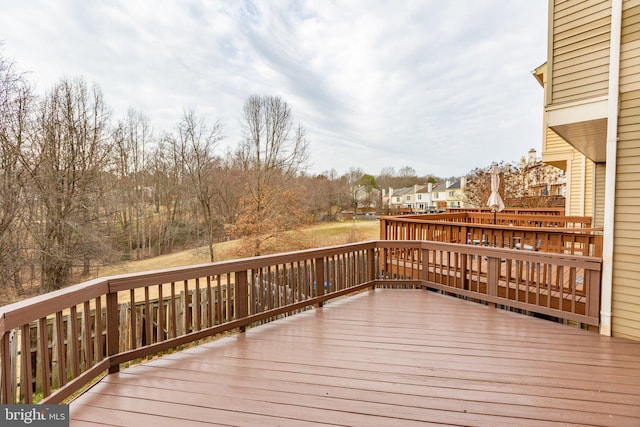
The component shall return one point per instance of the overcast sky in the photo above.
(441, 86)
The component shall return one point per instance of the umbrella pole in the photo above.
(494, 216)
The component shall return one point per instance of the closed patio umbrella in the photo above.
(495, 201)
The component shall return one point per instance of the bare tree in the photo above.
(478, 188)
(273, 152)
(67, 158)
(16, 102)
(196, 142)
(524, 184)
(131, 140)
(169, 193)
(353, 178)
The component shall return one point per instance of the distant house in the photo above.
(537, 184)
(450, 194)
(399, 200)
(366, 199)
(424, 198)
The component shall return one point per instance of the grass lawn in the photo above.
(320, 235)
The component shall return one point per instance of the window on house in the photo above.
(450, 193)
(408, 198)
(419, 196)
(398, 199)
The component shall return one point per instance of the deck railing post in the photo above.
(371, 266)
(113, 330)
(593, 282)
(7, 393)
(241, 296)
(383, 229)
(319, 267)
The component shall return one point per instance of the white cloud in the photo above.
(440, 86)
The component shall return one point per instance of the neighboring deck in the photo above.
(381, 358)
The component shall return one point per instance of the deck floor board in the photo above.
(384, 357)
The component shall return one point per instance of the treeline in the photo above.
(79, 188)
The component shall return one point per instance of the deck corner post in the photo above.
(383, 229)
(113, 330)
(241, 297)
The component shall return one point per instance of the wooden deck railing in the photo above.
(546, 233)
(512, 210)
(55, 344)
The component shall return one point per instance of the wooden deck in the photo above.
(381, 358)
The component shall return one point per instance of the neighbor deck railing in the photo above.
(54, 344)
(546, 233)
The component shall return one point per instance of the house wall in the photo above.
(626, 248)
(578, 73)
(581, 195)
(579, 172)
(580, 45)
(599, 184)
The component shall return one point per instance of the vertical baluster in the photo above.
(294, 270)
(196, 306)
(26, 375)
(88, 343)
(99, 353)
(210, 305)
(132, 319)
(73, 341)
(539, 275)
(60, 347)
(148, 336)
(173, 323)
(275, 282)
(572, 284)
(161, 316)
(303, 279)
(228, 301)
(43, 356)
(218, 299)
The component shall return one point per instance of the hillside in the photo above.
(326, 234)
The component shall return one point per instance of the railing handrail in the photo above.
(32, 309)
(467, 218)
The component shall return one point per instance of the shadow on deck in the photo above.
(382, 357)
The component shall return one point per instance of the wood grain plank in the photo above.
(384, 357)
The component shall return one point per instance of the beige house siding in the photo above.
(580, 189)
(589, 187)
(630, 47)
(579, 173)
(626, 268)
(555, 144)
(577, 90)
(580, 44)
(598, 211)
